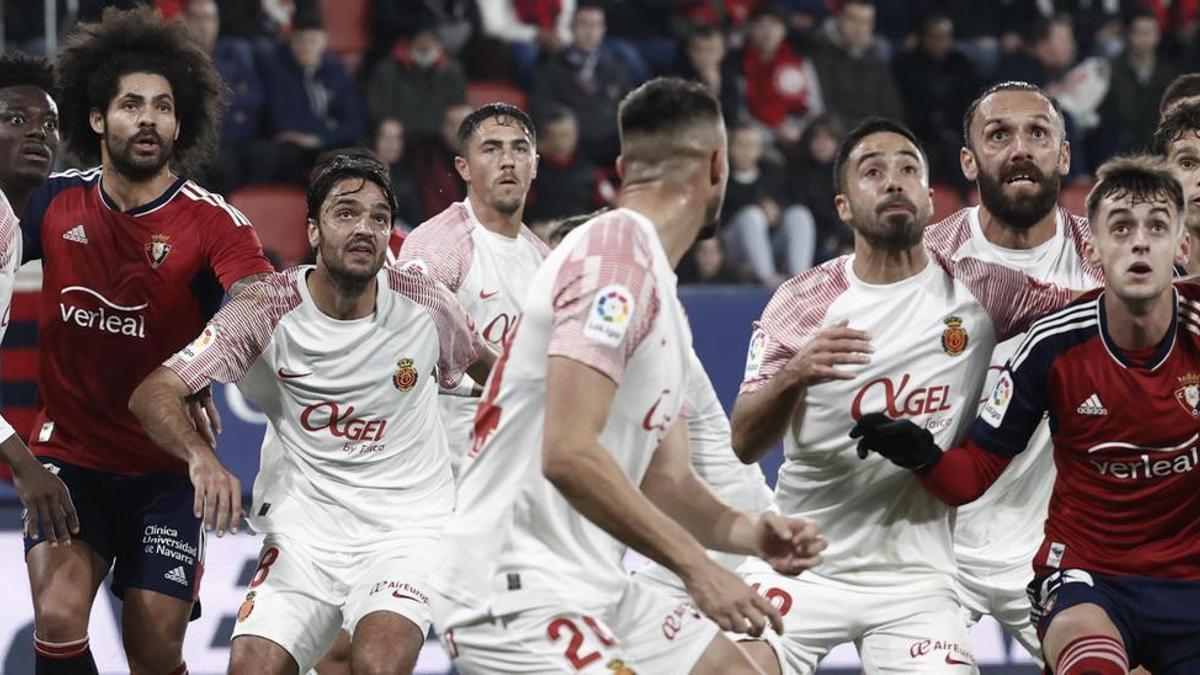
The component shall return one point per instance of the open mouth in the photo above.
(1021, 179)
(363, 249)
(36, 152)
(1140, 269)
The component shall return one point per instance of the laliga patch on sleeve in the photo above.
(997, 402)
(201, 344)
(754, 355)
(417, 265)
(610, 315)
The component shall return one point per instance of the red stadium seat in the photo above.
(346, 23)
(491, 91)
(1074, 197)
(946, 200)
(278, 213)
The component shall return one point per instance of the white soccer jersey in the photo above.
(10, 260)
(355, 449)
(1004, 526)
(933, 334)
(488, 273)
(605, 298)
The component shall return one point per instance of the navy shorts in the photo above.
(1159, 619)
(142, 526)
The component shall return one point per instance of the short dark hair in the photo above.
(555, 113)
(703, 31)
(478, 116)
(1141, 177)
(1177, 121)
(666, 104)
(559, 229)
(1009, 85)
(1139, 12)
(1041, 29)
(871, 125)
(1184, 86)
(335, 165)
(19, 69)
(96, 56)
(308, 18)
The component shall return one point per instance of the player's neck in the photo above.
(338, 299)
(675, 215)
(496, 221)
(1139, 324)
(1006, 236)
(129, 194)
(1193, 261)
(874, 265)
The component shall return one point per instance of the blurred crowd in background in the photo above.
(399, 75)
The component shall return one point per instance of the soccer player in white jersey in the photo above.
(1017, 153)
(28, 146)
(479, 248)
(584, 407)
(345, 359)
(893, 327)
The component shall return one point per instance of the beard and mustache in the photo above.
(1020, 212)
(138, 169)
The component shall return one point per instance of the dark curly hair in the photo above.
(95, 57)
(17, 69)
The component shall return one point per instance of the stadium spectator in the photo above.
(311, 104)
(567, 184)
(588, 81)
(1183, 87)
(988, 32)
(642, 34)
(533, 29)
(702, 58)
(810, 182)
(706, 263)
(393, 20)
(1099, 26)
(936, 84)
(855, 80)
(234, 59)
(388, 141)
(433, 163)
(1138, 81)
(757, 229)
(781, 86)
(415, 85)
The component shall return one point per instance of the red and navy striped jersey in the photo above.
(1126, 435)
(121, 293)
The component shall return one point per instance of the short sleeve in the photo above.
(1011, 298)
(459, 345)
(234, 251)
(442, 248)
(604, 299)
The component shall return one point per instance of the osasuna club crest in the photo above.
(157, 250)
(1188, 394)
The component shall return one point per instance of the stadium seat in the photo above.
(946, 200)
(278, 213)
(346, 23)
(1074, 197)
(491, 91)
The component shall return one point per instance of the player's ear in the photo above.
(621, 167)
(314, 233)
(1089, 248)
(1064, 158)
(533, 175)
(96, 120)
(1185, 248)
(464, 169)
(843, 207)
(718, 165)
(966, 161)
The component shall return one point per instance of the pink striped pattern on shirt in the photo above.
(459, 345)
(443, 245)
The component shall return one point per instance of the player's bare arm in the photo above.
(760, 418)
(482, 367)
(578, 399)
(47, 502)
(159, 403)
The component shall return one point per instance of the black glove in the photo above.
(904, 443)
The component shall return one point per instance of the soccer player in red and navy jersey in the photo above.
(135, 259)
(1117, 577)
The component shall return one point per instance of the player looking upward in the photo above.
(135, 258)
(1177, 139)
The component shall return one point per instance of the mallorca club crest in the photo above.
(618, 667)
(1188, 394)
(405, 376)
(247, 606)
(157, 250)
(954, 338)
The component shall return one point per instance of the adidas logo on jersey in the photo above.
(76, 234)
(177, 575)
(1092, 406)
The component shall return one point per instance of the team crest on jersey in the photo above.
(405, 376)
(247, 606)
(1188, 394)
(157, 250)
(954, 338)
(618, 667)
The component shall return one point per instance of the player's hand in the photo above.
(218, 493)
(48, 506)
(830, 347)
(723, 597)
(904, 443)
(790, 545)
(204, 415)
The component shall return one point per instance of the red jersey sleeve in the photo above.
(604, 298)
(963, 474)
(459, 344)
(234, 251)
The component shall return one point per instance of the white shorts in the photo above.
(299, 597)
(645, 632)
(999, 592)
(893, 633)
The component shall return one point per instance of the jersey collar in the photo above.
(1161, 353)
(157, 203)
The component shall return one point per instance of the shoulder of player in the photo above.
(416, 285)
(536, 242)
(449, 227)
(64, 180)
(805, 299)
(949, 234)
(1063, 328)
(209, 207)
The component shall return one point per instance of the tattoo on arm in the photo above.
(245, 282)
